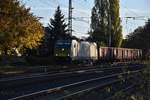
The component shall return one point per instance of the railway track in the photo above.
(5, 82)
(62, 92)
(29, 85)
(54, 69)
(63, 71)
(10, 89)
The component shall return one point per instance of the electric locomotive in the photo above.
(65, 50)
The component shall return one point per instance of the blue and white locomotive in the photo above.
(75, 51)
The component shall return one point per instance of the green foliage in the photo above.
(19, 29)
(140, 38)
(116, 28)
(120, 96)
(57, 29)
(100, 22)
(35, 60)
(58, 26)
(148, 55)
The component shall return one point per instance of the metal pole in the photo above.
(110, 31)
(109, 23)
(70, 18)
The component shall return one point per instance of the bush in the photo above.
(12, 60)
(34, 60)
(148, 55)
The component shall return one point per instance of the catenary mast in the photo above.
(70, 18)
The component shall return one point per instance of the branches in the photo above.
(18, 27)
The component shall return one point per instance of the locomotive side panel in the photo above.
(93, 51)
(84, 51)
(74, 49)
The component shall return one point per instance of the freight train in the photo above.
(84, 51)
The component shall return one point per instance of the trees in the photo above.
(140, 38)
(116, 28)
(58, 26)
(99, 21)
(57, 29)
(105, 17)
(19, 29)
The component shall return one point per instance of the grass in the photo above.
(11, 69)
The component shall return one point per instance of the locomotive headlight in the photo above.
(128, 72)
(56, 54)
(62, 49)
(68, 54)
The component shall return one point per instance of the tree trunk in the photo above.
(5, 51)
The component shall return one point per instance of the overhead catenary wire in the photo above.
(133, 17)
(64, 7)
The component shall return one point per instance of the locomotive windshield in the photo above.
(62, 48)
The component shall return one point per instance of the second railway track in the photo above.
(29, 85)
(62, 92)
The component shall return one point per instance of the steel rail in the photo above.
(49, 91)
(92, 88)
(37, 75)
(45, 75)
(89, 89)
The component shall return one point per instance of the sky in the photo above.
(82, 8)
